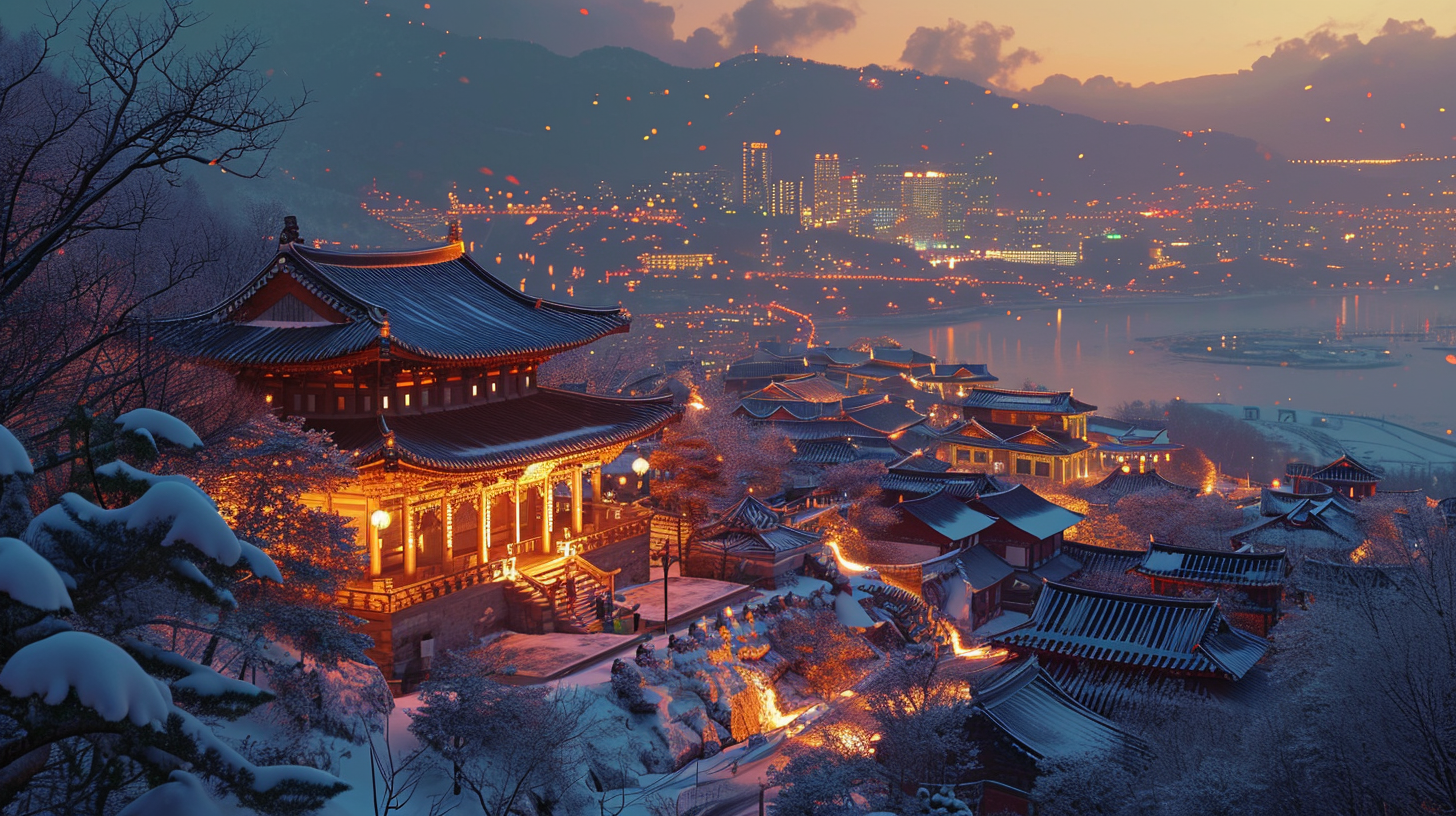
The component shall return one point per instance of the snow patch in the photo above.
(183, 794)
(159, 425)
(105, 678)
(259, 562)
(30, 579)
(13, 458)
(121, 470)
(850, 613)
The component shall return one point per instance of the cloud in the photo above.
(646, 25)
(774, 28)
(972, 52)
(1326, 94)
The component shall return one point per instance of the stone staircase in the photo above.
(539, 602)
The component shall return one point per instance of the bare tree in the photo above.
(92, 147)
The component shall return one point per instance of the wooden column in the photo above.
(546, 509)
(482, 531)
(516, 507)
(410, 564)
(371, 535)
(576, 489)
(447, 518)
(596, 477)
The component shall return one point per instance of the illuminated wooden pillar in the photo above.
(482, 528)
(546, 509)
(596, 477)
(576, 500)
(516, 507)
(410, 564)
(447, 517)
(371, 534)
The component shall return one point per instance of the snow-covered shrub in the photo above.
(92, 601)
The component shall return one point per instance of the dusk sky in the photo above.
(1133, 41)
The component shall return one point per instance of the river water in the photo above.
(1101, 351)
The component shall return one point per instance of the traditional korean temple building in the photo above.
(1078, 627)
(1122, 482)
(811, 410)
(749, 543)
(953, 380)
(1257, 577)
(878, 370)
(1123, 444)
(1019, 450)
(1345, 476)
(422, 366)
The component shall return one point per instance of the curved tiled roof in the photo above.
(1040, 402)
(1119, 484)
(1344, 470)
(1028, 512)
(962, 485)
(946, 516)
(1234, 567)
(1045, 721)
(437, 304)
(1154, 632)
(511, 433)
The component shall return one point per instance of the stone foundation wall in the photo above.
(455, 621)
(629, 555)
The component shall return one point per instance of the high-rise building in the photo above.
(706, 188)
(853, 192)
(826, 188)
(922, 208)
(757, 178)
(1031, 230)
(787, 198)
(882, 199)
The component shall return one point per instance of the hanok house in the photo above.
(748, 543)
(1075, 630)
(1344, 476)
(423, 367)
(1122, 483)
(939, 521)
(1252, 582)
(1124, 444)
(1028, 529)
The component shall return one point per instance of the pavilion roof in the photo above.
(959, 484)
(510, 433)
(954, 373)
(805, 388)
(1231, 567)
(752, 526)
(1003, 436)
(1345, 470)
(1023, 509)
(1154, 632)
(1118, 484)
(945, 515)
(1028, 705)
(433, 305)
(1038, 402)
(983, 568)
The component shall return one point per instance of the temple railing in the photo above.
(387, 596)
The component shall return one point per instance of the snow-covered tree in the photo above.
(514, 749)
(98, 706)
(921, 716)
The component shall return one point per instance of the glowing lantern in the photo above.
(379, 519)
(640, 466)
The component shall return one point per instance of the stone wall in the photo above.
(629, 555)
(455, 621)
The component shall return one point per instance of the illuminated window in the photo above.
(339, 405)
(492, 388)
(385, 402)
(528, 380)
(474, 390)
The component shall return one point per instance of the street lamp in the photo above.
(379, 519)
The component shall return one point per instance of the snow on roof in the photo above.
(13, 458)
(1173, 634)
(983, 569)
(946, 516)
(1244, 568)
(158, 425)
(1023, 509)
(104, 677)
(30, 579)
(186, 511)
(1028, 705)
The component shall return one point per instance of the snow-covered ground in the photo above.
(1319, 437)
